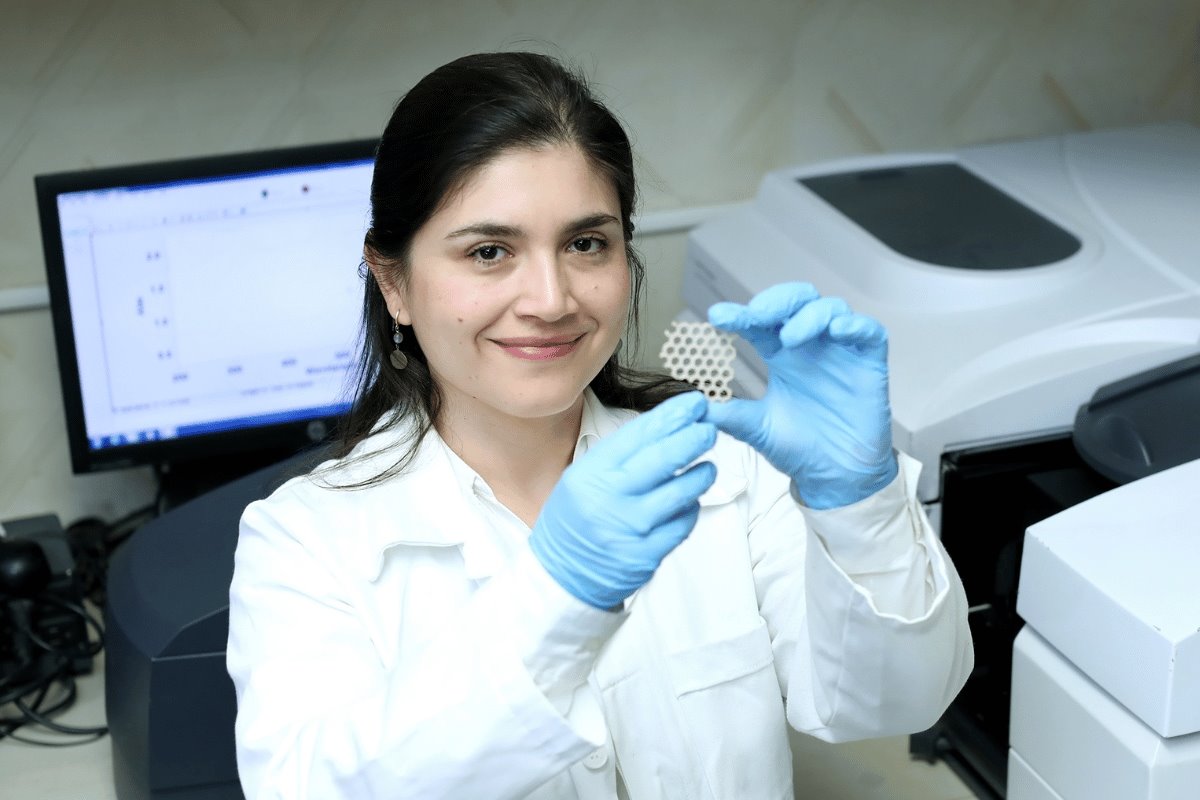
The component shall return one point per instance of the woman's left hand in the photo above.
(825, 418)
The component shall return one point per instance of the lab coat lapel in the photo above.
(453, 519)
(424, 506)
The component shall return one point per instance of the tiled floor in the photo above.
(879, 769)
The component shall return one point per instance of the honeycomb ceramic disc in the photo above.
(700, 354)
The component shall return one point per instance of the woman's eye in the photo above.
(588, 244)
(487, 252)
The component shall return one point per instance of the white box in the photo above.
(1082, 743)
(1113, 582)
(1024, 783)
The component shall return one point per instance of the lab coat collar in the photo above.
(598, 421)
(436, 499)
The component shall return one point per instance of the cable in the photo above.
(36, 676)
(44, 655)
(32, 714)
(15, 694)
(46, 651)
(94, 646)
(44, 743)
(92, 542)
(15, 671)
(46, 722)
(47, 635)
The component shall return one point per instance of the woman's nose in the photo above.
(545, 290)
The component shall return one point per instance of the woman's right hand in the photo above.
(617, 511)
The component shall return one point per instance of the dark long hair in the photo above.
(447, 127)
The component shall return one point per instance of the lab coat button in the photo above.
(597, 759)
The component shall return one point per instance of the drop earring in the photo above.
(399, 360)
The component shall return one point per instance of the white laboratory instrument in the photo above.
(1106, 672)
(1014, 278)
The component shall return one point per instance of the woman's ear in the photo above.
(393, 295)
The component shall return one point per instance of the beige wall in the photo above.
(715, 94)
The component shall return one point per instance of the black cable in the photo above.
(17, 670)
(21, 691)
(150, 509)
(10, 724)
(94, 647)
(68, 697)
(55, 665)
(43, 691)
(92, 542)
(33, 714)
(124, 527)
(42, 664)
(58, 727)
(44, 743)
(39, 641)
(51, 636)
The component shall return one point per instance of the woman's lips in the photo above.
(535, 349)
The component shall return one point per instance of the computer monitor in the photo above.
(206, 307)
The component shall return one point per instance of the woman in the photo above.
(510, 583)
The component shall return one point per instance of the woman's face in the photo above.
(518, 288)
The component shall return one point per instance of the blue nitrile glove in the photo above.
(825, 419)
(617, 511)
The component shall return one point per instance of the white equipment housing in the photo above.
(994, 353)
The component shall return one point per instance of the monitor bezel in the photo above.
(282, 438)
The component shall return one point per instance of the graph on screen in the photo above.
(217, 303)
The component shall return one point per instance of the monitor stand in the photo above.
(182, 481)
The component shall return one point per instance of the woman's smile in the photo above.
(539, 348)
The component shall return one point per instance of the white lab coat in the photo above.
(402, 642)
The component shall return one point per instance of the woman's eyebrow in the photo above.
(501, 231)
(492, 229)
(590, 221)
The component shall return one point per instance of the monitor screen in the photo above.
(207, 306)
